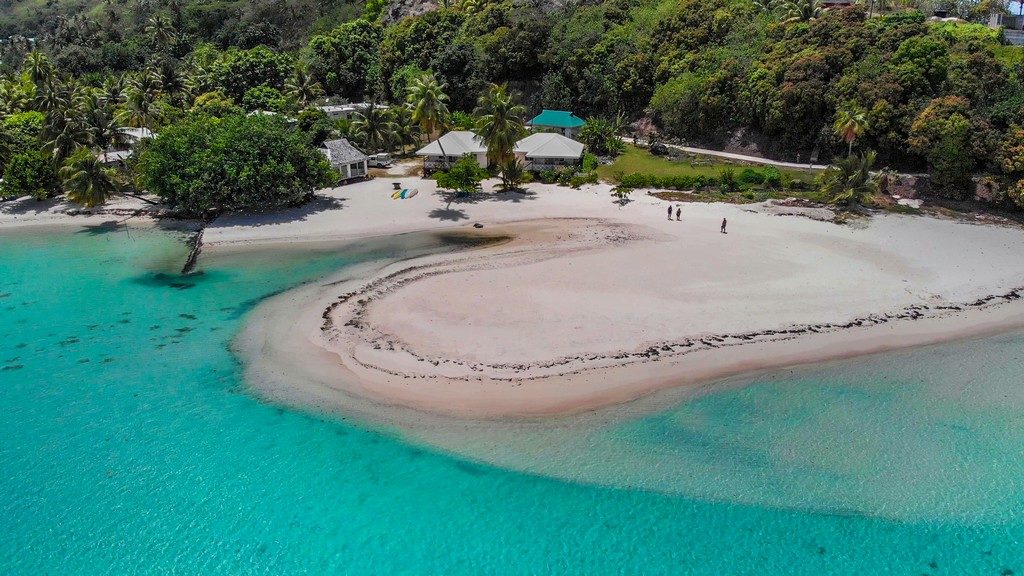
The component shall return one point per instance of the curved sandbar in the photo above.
(578, 314)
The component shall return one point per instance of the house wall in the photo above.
(435, 162)
(541, 163)
(352, 170)
(567, 132)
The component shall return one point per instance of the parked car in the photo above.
(382, 160)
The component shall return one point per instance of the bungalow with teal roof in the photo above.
(565, 123)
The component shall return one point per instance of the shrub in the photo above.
(637, 180)
(589, 162)
(463, 176)
(547, 176)
(728, 179)
(583, 178)
(29, 174)
(749, 177)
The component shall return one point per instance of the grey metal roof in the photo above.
(340, 151)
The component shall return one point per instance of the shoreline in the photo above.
(592, 303)
(311, 352)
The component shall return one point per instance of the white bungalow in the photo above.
(347, 111)
(133, 136)
(449, 148)
(346, 158)
(114, 157)
(548, 151)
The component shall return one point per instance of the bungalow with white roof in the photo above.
(452, 146)
(347, 111)
(548, 151)
(345, 158)
(114, 157)
(133, 136)
(128, 138)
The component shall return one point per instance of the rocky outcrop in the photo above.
(401, 9)
(906, 185)
(988, 189)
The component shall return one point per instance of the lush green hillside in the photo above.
(245, 23)
(799, 81)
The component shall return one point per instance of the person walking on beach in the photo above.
(669, 211)
(679, 210)
(724, 222)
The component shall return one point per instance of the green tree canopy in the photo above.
(29, 174)
(239, 70)
(344, 59)
(946, 134)
(208, 165)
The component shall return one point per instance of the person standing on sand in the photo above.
(679, 210)
(669, 211)
(724, 222)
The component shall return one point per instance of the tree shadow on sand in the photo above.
(511, 196)
(448, 214)
(282, 215)
(514, 196)
(102, 228)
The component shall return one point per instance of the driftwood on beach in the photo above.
(193, 255)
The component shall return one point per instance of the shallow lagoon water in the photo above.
(129, 445)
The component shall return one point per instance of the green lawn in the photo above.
(639, 160)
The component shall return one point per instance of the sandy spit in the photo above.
(597, 304)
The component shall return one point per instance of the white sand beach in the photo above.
(29, 212)
(592, 303)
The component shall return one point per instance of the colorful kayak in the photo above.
(404, 194)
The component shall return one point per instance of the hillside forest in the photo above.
(799, 81)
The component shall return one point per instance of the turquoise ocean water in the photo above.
(129, 445)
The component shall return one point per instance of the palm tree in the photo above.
(161, 30)
(428, 102)
(766, 6)
(302, 87)
(14, 96)
(40, 69)
(499, 123)
(86, 180)
(801, 10)
(99, 120)
(374, 128)
(64, 130)
(850, 180)
(850, 123)
(601, 135)
(406, 131)
(140, 109)
(167, 79)
(511, 173)
(112, 91)
(469, 6)
(65, 134)
(51, 96)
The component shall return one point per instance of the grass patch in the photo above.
(639, 160)
(1009, 55)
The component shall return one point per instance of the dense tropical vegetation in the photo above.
(796, 81)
